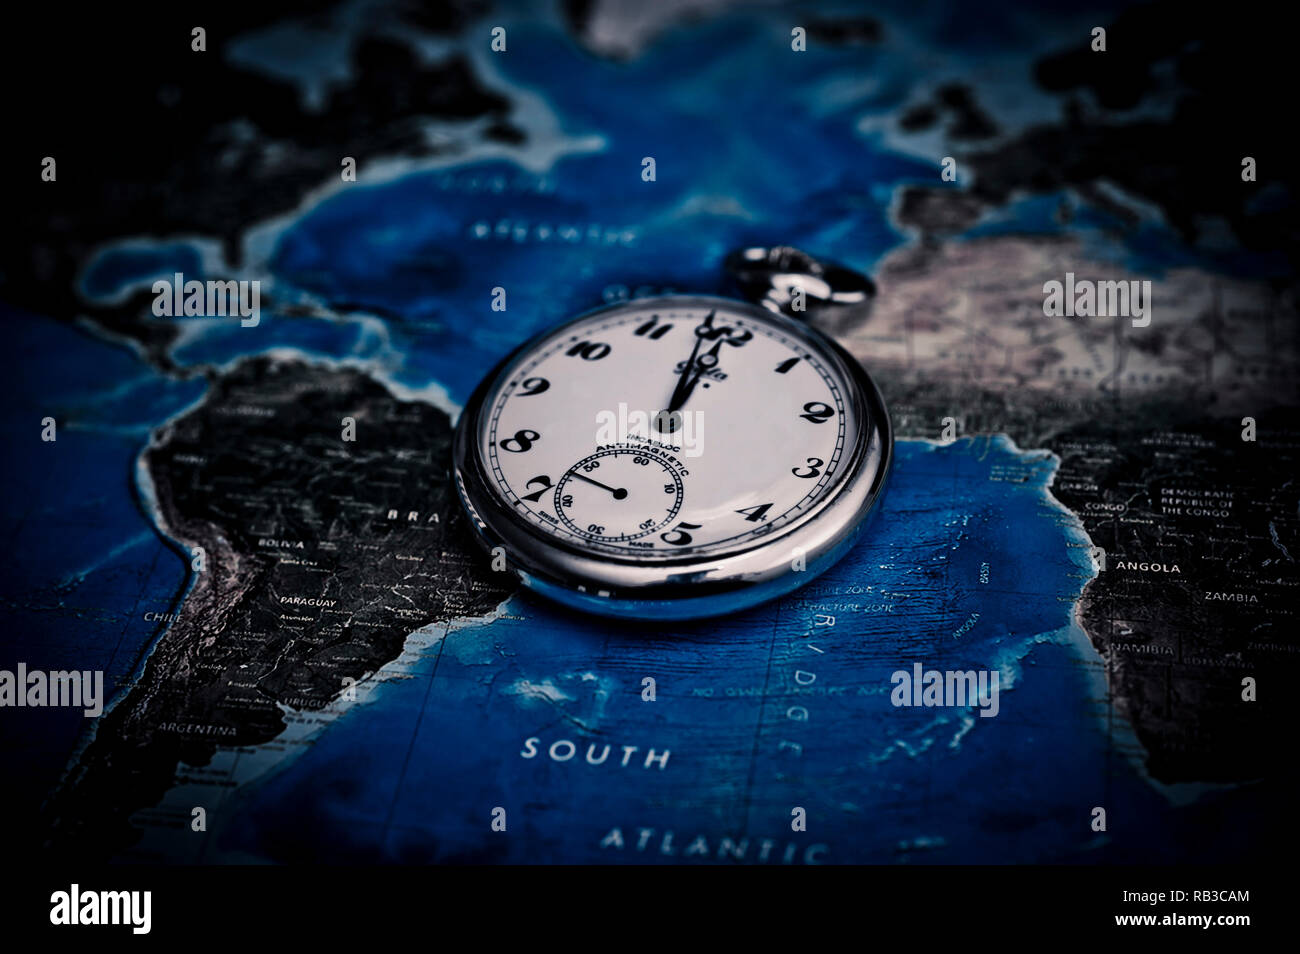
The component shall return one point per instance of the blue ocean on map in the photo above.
(785, 705)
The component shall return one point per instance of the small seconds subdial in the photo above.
(619, 494)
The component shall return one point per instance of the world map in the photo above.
(343, 677)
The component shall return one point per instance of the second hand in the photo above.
(618, 492)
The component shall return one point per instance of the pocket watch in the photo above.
(680, 456)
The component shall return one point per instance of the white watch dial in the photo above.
(661, 432)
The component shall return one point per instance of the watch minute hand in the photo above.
(705, 362)
(686, 381)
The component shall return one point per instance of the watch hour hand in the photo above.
(691, 373)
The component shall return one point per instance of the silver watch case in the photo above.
(684, 586)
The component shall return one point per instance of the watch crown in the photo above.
(773, 276)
